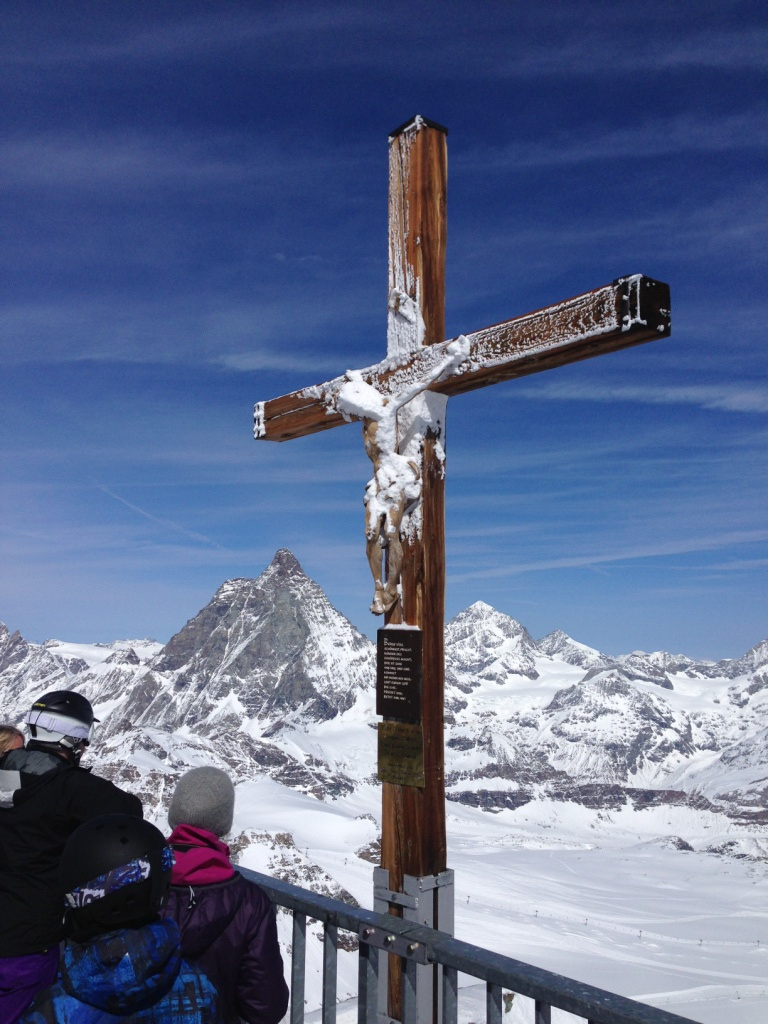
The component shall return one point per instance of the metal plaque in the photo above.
(398, 673)
(401, 754)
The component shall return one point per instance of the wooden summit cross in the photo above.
(421, 363)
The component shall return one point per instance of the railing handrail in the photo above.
(594, 1004)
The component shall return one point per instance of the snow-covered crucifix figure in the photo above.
(402, 402)
(393, 493)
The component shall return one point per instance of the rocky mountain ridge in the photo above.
(268, 680)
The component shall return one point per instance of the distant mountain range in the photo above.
(270, 680)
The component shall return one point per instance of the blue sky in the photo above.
(194, 218)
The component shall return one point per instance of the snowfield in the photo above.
(608, 900)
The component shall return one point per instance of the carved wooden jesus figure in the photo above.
(395, 486)
(393, 493)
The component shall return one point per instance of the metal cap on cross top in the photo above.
(415, 122)
(405, 527)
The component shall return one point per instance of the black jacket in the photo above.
(43, 799)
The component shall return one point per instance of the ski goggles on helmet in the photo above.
(135, 871)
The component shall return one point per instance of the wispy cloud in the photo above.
(562, 42)
(681, 546)
(585, 51)
(738, 565)
(641, 138)
(190, 34)
(131, 159)
(277, 359)
(511, 42)
(728, 397)
(167, 524)
(239, 334)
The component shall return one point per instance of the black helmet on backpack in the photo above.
(61, 720)
(115, 870)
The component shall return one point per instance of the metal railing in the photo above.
(383, 934)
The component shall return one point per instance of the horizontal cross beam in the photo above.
(630, 311)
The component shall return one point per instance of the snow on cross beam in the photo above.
(630, 311)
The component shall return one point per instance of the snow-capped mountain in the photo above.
(267, 676)
(265, 650)
(482, 645)
(552, 749)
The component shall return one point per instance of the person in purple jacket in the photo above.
(227, 923)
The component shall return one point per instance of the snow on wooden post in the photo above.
(402, 403)
(413, 836)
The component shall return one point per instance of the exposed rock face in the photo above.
(13, 648)
(28, 666)
(481, 644)
(560, 645)
(618, 729)
(267, 676)
(754, 660)
(263, 649)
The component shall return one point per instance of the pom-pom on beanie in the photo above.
(204, 797)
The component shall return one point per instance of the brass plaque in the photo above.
(401, 754)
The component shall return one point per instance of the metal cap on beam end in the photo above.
(643, 303)
(416, 122)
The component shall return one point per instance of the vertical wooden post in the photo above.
(418, 179)
(413, 819)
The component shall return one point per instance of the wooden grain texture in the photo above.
(413, 818)
(418, 177)
(627, 312)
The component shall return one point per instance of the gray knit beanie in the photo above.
(204, 797)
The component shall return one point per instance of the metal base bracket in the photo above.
(426, 900)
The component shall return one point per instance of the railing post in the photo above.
(450, 995)
(330, 962)
(381, 905)
(492, 1003)
(543, 1013)
(298, 966)
(412, 1002)
(367, 984)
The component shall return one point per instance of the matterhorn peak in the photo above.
(285, 562)
(271, 645)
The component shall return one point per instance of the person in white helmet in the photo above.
(44, 796)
